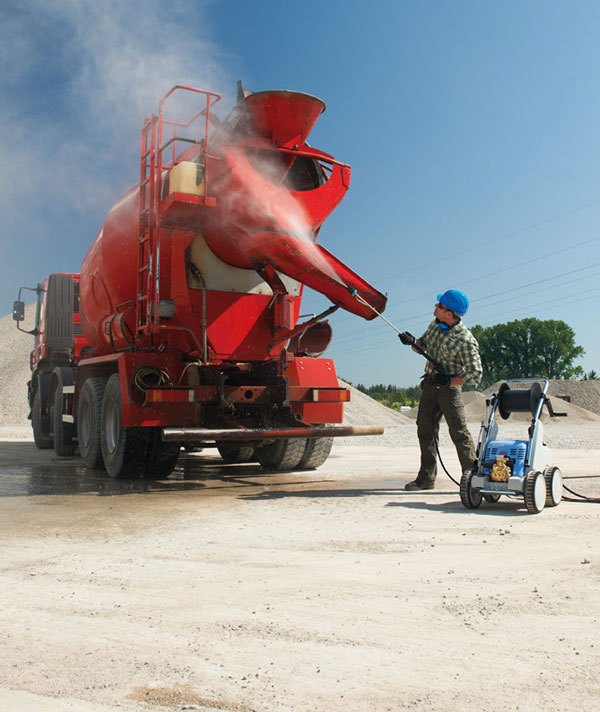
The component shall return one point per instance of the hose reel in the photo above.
(518, 401)
(523, 401)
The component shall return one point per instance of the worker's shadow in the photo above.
(408, 500)
(314, 494)
(341, 493)
(447, 507)
(501, 509)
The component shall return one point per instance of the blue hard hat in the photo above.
(455, 300)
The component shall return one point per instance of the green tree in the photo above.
(390, 395)
(528, 348)
(591, 376)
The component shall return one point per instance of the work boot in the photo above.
(416, 486)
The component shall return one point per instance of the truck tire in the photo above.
(40, 424)
(315, 453)
(89, 416)
(124, 450)
(162, 457)
(236, 453)
(282, 455)
(63, 433)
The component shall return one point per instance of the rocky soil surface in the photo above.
(224, 588)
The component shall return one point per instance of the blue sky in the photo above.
(472, 130)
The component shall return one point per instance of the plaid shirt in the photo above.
(456, 350)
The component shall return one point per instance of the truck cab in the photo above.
(58, 344)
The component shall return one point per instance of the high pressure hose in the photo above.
(582, 497)
(442, 463)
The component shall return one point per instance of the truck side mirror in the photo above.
(18, 311)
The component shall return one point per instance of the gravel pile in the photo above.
(579, 430)
(585, 394)
(364, 410)
(474, 406)
(557, 435)
(15, 347)
(475, 409)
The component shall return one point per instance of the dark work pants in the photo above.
(435, 402)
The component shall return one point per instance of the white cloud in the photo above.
(108, 63)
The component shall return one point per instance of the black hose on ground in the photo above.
(582, 497)
(442, 464)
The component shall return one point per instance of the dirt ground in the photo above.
(224, 588)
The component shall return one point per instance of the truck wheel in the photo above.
(89, 415)
(63, 433)
(162, 457)
(315, 453)
(283, 455)
(236, 453)
(40, 424)
(124, 450)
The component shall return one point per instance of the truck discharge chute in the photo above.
(183, 324)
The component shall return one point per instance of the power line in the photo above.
(365, 351)
(568, 248)
(491, 320)
(506, 236)
(540, 281)
(548, 304)
(412, 319)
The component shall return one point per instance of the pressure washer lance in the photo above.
(442, 378)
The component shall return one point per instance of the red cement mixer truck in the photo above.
(183, 326)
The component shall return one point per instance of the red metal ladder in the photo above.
(155, 161)
(148, 228)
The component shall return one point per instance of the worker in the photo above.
(455, 351)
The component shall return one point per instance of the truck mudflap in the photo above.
(249, 434)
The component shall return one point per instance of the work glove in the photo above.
(407, 338)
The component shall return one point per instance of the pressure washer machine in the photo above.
(515, 468)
